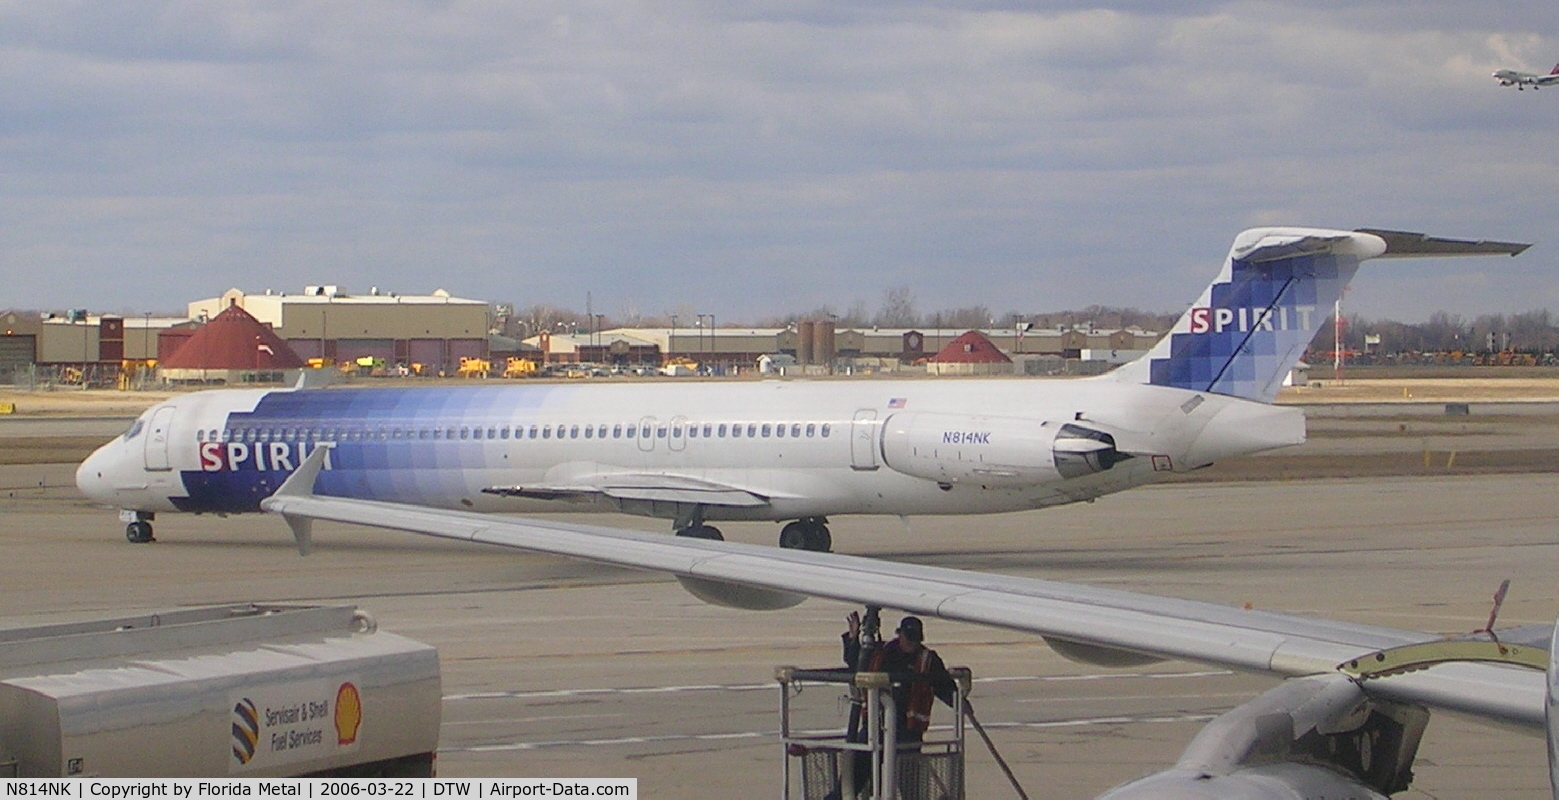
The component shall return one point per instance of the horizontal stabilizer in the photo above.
(1403, 244)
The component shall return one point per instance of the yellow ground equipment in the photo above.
(520, 368)
(475, 367)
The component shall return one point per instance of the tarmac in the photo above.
(555, 668)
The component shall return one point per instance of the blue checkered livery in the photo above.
(1253, 325)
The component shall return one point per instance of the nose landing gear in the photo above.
(138, 528)
(139, 532)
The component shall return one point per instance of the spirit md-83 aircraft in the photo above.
(1521, 80)
(797, 451)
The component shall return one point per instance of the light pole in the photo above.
(671, 340)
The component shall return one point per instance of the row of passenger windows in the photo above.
(706, 430)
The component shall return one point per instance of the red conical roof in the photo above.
(971, 348)
(233, 339)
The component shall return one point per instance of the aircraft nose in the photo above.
(92, 477)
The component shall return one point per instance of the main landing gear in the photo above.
(807, 533)
(692, 526)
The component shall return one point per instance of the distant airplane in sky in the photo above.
(1521, 80)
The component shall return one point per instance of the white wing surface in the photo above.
(1280, 644)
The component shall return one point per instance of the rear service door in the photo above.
(863, 440)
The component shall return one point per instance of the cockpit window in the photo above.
(135, 429)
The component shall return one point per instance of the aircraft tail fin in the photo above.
(1278, 285)
(1555, 70)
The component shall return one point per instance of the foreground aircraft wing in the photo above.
(1109, 624)
(649, 487)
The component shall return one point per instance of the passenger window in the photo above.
(200, 436)
(449, 433)
(600, 433)
(660, 432)
(752, 430)
(589, 431)
(736, 431)
(546, 432)
(503, 433)
(766, 429)
(533, 431)
(573, 432)
(779, 430)
(692, 431)
(824, 430)
(795, 430)
(492, 433)
(422, 433)
(708, 429)
(721, 430)
(644, 432)
(811, 429)
(633, 432)
(676, 431)
(617, 431)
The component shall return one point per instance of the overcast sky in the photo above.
(750, 158)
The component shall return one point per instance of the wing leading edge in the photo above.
(1259, 641)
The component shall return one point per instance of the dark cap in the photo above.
(911, 629)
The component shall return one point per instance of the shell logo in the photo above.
(246, 730)
(349, 713)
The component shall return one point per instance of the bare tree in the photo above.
(898, 309)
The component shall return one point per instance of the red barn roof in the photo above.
(971, 348)
(233, 339)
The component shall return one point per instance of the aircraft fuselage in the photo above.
(786, 449)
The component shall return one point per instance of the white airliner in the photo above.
(1521, 80)
(798, 451)
(1345, 724)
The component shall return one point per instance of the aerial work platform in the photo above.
(824, 764)
(224, 691)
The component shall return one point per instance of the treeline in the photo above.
(897, 310)
(1527, 332)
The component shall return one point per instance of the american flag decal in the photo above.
(896, 402)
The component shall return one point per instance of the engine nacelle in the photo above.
(994, 451)
(1320, 737)
(1095, 655)
(738, 595)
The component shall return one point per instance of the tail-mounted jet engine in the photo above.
(994, 451)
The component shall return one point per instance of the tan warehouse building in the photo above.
(327, 322)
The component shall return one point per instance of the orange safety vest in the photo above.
(917, 711)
